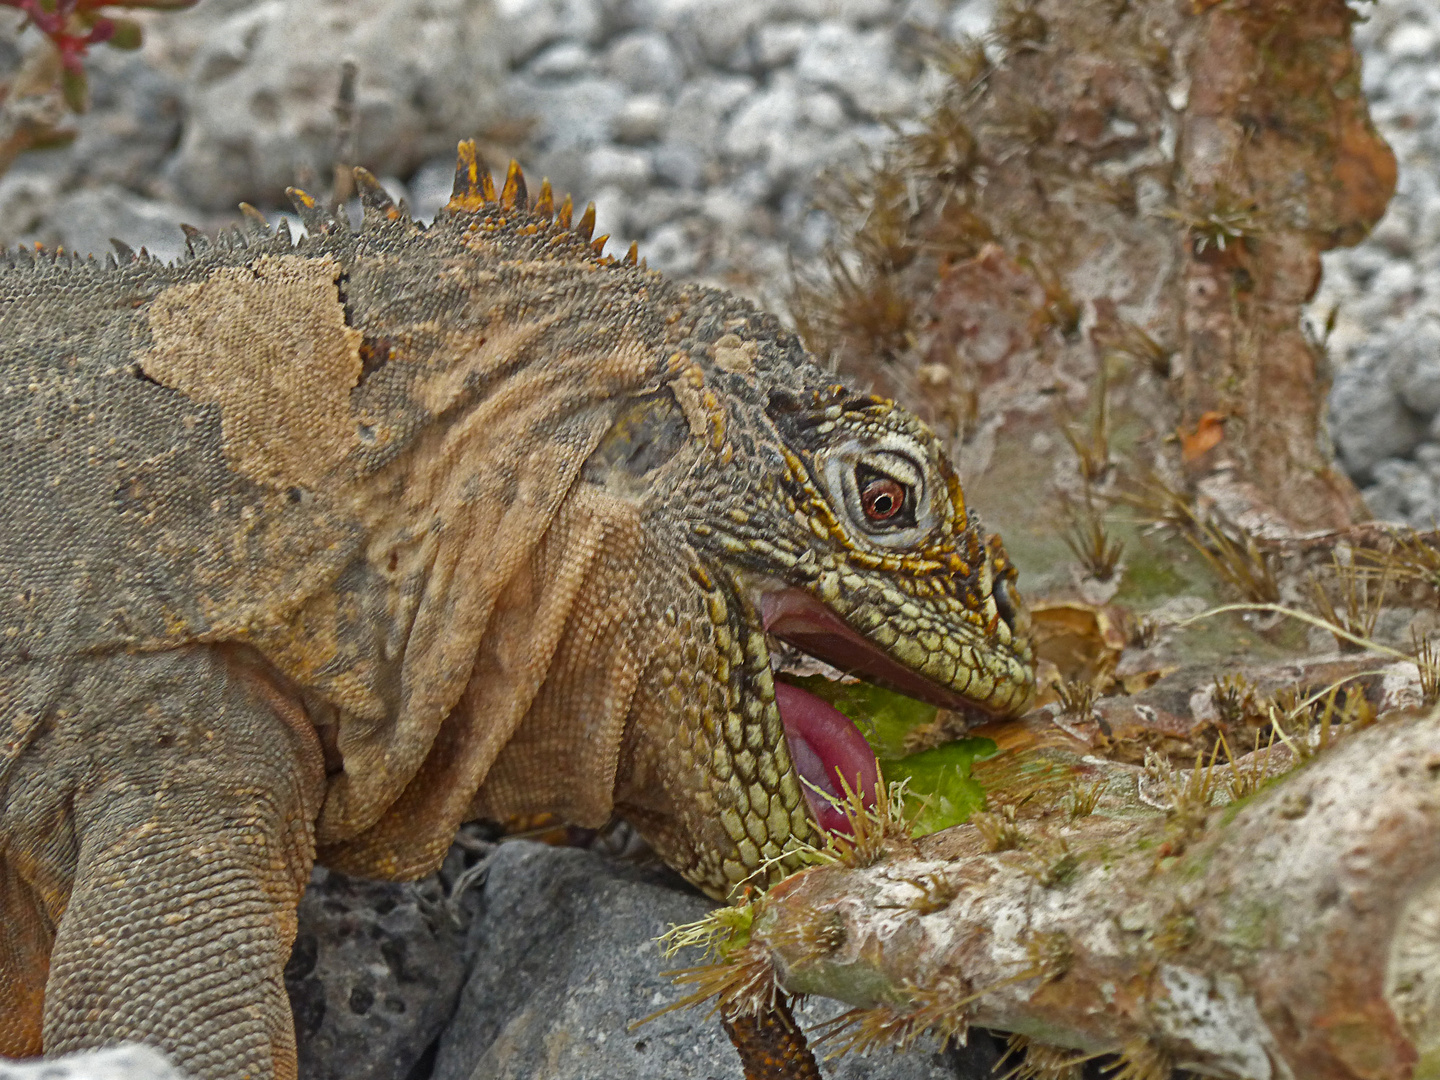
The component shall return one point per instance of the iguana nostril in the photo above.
(1006, 603)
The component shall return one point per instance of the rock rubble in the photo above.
(1385, 403)
(697, 126)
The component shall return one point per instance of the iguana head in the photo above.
(811, 516)
(664, 488)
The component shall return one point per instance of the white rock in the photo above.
(27, 199)
(779, 43)
(85, 220)
(610, 205)
(530, 25)
(682, 166)
(610, 166)
(1395, 231)
(128, 1061)
(1428, 456)
(645, 61)
(722, 27)
(563, 60)
(850, 11)
(701, 108)
(763, 121)
(1395, 279)
(972, 18)
(856, 65)
(1412, 39)
(1368, 422)
(657, 206)
(574, 115)
(264, 83)
(823, 110)
(1403, 492)
(671, 250)
(642, 118)
(430, 187)
(1414, 360)
(728, 208)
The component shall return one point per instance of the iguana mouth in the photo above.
(824, 748)
(824, 745)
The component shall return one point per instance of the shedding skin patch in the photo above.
(267, 343)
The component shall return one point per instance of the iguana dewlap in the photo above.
(320, 549)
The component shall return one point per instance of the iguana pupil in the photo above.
(882, 499)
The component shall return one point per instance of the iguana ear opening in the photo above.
(647, 432)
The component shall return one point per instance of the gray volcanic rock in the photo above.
(1385, 293)
(85, 220)
(1369, 421)
(566, 961)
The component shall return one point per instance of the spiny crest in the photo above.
(254, 222)
(38, 257)
(475, 189)
(196, 242)
(473, 186)
(375, 201)
(317, 220)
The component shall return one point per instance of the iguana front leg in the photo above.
(183, 818)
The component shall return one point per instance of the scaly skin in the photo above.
(319, 550)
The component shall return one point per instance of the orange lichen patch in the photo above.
(1365, 169)
(473, 185)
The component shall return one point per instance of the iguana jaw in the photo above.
(824, 745)
(797, 618)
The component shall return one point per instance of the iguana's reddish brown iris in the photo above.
(882, 498)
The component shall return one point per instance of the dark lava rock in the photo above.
(375, 974)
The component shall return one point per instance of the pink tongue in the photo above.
(825, 746)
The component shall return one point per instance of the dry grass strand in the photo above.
(1361, 596)
(1427, 666)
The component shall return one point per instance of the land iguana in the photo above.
(317, 549)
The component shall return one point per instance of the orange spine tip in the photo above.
(545, 201)
(514, 193)
(633, 255)
(598, 244)
(566, 211)
(587, 222)
(473, 187)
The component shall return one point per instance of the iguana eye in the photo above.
(881, 498)
(883, 488)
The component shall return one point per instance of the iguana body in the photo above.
(329, 547)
